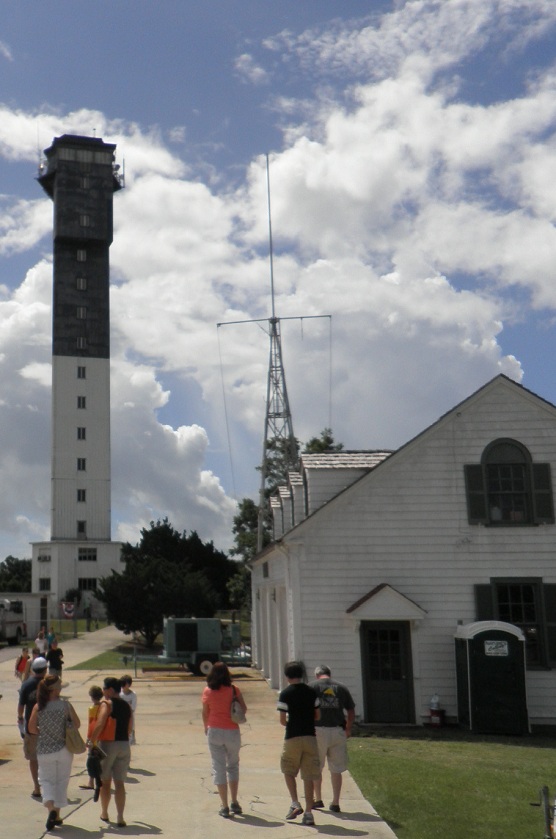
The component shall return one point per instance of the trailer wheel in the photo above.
(203, 666)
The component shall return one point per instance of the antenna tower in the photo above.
(278, 428)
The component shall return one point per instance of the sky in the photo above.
(412, 162)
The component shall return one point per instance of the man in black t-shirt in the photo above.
(298, 705)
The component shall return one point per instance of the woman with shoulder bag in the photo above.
(48, 720)
(224, 739)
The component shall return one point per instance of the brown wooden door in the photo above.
(387, 672)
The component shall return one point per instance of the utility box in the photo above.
(490, 669)
(199, 642)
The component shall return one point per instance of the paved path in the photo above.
(170, 791)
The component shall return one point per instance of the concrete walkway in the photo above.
(169, 791)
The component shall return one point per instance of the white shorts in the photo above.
(332, 743)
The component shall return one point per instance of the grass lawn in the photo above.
(435, 785)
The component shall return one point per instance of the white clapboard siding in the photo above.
(404, 524)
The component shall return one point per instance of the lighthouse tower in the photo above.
(81, 177)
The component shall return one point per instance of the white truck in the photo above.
(12, 625)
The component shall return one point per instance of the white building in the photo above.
(80, 176)
(374, 579)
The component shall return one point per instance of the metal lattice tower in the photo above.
(278, 428)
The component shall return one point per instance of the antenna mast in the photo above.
(278, 430)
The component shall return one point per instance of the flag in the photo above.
(67, 608)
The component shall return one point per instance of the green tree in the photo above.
(245, 530)
(239, 588)
(324, 443)
(279, 463)
(15, 574)
(73, 595)
(166, 573)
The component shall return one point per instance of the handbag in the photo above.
(236, 710)
(74, 741)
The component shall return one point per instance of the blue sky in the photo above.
(412, 162)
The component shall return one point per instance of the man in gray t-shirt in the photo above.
(333, 728)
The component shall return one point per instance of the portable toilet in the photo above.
(490, 669)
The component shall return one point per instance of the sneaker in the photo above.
(294, 811)
(224, 812)
(318, 805)
(235, 808)
(308, 819)
(335, 808)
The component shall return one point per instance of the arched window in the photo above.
(507, 488)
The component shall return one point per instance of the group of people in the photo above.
(43, 716)
(318, 718)
(46, 646)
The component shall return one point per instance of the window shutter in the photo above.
(484, 607)
(476, 499)
(543, 504)
(549, 592)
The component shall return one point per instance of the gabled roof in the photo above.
(386, 603)
(501, 379)
(345, 459)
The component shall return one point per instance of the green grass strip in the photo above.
(434, 788)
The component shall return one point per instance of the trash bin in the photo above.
(437, 717)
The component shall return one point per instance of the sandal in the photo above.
(224, 812)
(51, 820)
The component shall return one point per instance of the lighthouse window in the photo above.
(81, 255)
(81, 464)
(85, 182)
(87, 554)
(82, 312)
(81, 401)
(81, 528)
(84, 220)
(81, 372)
(81, 343)
(81, 495)
(44, 584)
(81, 283)
(81, 433)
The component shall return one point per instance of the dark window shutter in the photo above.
(476, 498)
(543, 504)
(549, 592)
(484, 607)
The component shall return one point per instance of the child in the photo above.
(55, 658)
(131, 698)
(96, 695)
(21, 663)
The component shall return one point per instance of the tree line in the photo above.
(172, 573)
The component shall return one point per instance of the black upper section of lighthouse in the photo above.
(81, 178)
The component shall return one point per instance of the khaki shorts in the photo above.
(116, 762)
(30, 746)
(332, 743)
(301, 754)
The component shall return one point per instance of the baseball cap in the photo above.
(39, 664)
